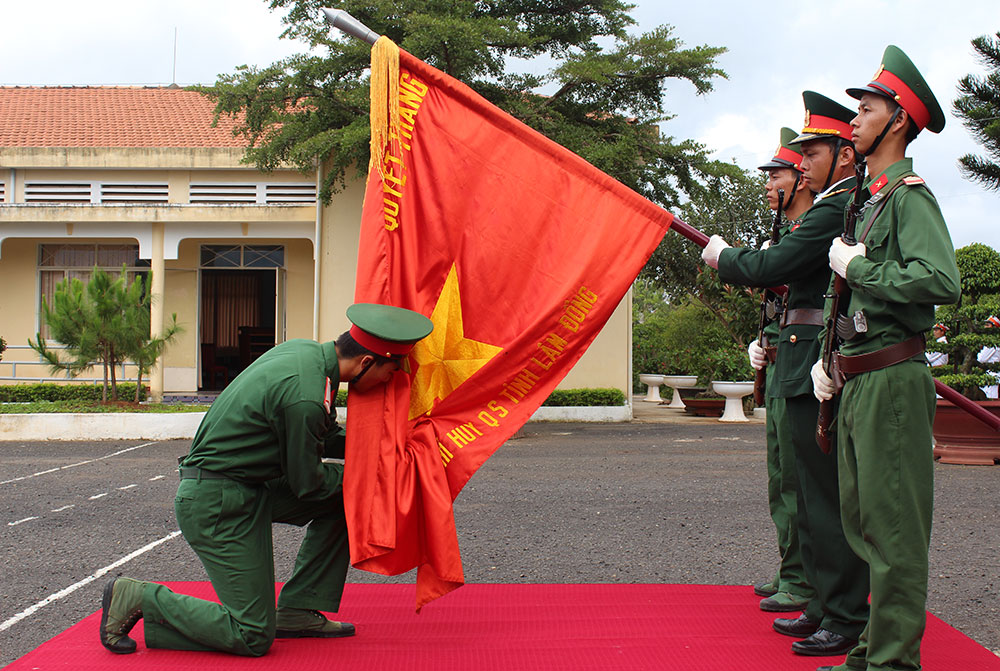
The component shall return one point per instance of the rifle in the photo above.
(839, 308)
(770, 308)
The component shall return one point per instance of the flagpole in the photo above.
(338, 18)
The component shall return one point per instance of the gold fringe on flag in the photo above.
(384, 100)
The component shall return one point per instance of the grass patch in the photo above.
(95, 406)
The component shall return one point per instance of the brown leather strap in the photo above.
(771, 354)
(802, 316)
(881, 358)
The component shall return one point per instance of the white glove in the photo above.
(713, 250)
(758, 359)
(767, 243)
(842, 253)
(823, 387)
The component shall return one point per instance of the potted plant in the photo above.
(969, 339)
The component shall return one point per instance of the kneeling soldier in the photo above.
(258, 458)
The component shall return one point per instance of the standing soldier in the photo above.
(784, 174)
(833, 619)
(257, 458)
(903, 264)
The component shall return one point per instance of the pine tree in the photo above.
(979, 108)
(107, 321)
(602, 97)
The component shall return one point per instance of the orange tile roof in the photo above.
(110, 116)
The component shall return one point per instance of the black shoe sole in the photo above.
(283, 633)
(794, 634)
(825, 652)
(125, 645)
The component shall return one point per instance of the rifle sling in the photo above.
(881, 205)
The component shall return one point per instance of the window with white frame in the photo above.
(57, 262)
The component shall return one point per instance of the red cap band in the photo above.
(786, 154)
(906, 98)
(824, 125)
(381, 347)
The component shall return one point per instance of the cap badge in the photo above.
(881, 68)
(805, 124)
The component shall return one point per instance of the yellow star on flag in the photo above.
(446, 357)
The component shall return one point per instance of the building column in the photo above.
(156, 310)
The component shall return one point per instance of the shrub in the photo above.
(48, 391)
(979, 268)
(585, 397)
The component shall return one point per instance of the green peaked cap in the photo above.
(387, 330)
(785, 156)
(825, 118)
(898, 79)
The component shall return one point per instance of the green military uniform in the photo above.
(266, 435)
(885, 415)
(258, 458)
(782, 480)
(835, 573)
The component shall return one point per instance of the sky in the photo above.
(775, 51)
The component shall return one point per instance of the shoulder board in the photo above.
(913, 181)
(834, 193)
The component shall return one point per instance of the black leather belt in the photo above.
(195, 473)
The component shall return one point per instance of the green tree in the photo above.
(979, 108)
(106, 320)
(734, 207)
(979, 268)
(602, 97)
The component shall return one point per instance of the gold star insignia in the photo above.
(446, 358)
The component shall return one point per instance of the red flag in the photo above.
(519, 251)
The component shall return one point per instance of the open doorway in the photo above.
(242, 312)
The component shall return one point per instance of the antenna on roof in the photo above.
(173, 76)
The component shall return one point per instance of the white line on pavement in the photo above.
(157, 477)
(86, 581)
(26, 519)
(59, 510)
(127, 487)
(96, 496)
(81, 463)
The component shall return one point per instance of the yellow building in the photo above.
(106, 176)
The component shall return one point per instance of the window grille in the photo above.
(242, 256)
(292, 192)
(259, 193)
(134, 192)
(223, 193)
(95, 192)
(58, 192)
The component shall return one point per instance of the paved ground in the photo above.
(661, 499)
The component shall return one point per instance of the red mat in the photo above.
(519, 628)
